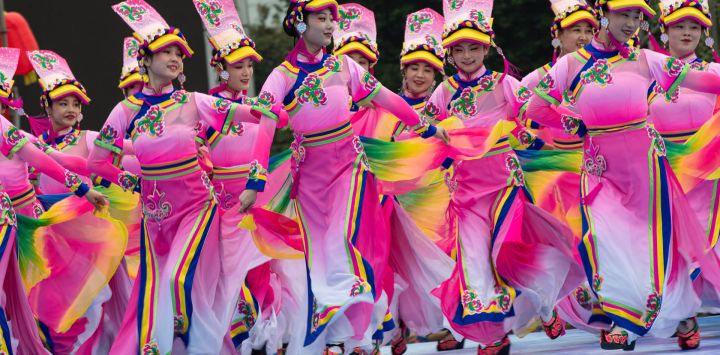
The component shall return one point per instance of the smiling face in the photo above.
(469, 56)
(419, 78)
(165, 65)
(360, 59)
(684, 37)
(65, 113)
(575, 37)
(320, 27)
(623, 25)
(241, 74)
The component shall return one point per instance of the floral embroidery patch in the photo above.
(7, 213)
(72, 181)
(599, 73)
(221, 106)
(13, 136)
(311, 91)
(595, 163)
(108, 134)
(152, 123)
(156, 206)
(673, 66)
(359, 287)
(464, 106)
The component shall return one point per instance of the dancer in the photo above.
(330, 170)
(19, 197)
(678, 116)
(173, 296)
(234, 57)
(514, 261)
(628, 239)
(421, 61)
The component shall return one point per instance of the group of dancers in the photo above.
(586, 193)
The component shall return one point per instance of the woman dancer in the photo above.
(624, 163)
(234, 57)
(330, 170)
(505, 245)
(678, 116)
(19, 197)
(173, 296)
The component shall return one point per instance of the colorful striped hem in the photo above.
(170, 170)
(318, 138)
(627, 126)
(24, 198)
(236, 172)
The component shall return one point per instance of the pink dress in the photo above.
(174, 295)
(677, 117)
(514, 260)
(48, 301)
(335, 194)
(249, 278)
(559, 194)
(639, 234)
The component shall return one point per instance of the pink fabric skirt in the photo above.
(176, 292)
(514, 260)
(338, 207)
(640, 236)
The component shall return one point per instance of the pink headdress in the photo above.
(471, 21)
(226, 31)
(8, 65)
(423, 39)
(131, 69)
(356, 32)
(150, 28)
(55, 77)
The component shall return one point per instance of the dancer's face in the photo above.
(469, 56)
(241, 74)
(166, 64)
(65, 112)
(575, 37)
(623, 25)
(419, 78)
(320, 27)
(684, 37)
(360, 59)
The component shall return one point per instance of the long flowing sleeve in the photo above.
(268, 104)
(364, 87)
(15, 143)
(111, 141)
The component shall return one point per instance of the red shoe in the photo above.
(334, 349)
(691, 339)
(283, 350)
(555, 328)
(359, 351)
(450, 343)
(501, 347)
(616, 341)
(399, 345)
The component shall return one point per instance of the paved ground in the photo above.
(579, 342)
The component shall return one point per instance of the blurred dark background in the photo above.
(89, 35)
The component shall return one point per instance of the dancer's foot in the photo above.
(555, 327)
(283, 350)
(615, 340)
(399, 344)
(258, 352)
(501, 347)
(450, 343)
(689, 334)
(334, 349)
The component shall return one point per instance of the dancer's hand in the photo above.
(247, 200)
(96, 199)
(442, 135)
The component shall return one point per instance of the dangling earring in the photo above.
(451, 60)
(645, 26)
(301, 26)
(181, 79)
(556, 43)
(604, 22)
(224, 75)
(664, 38)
